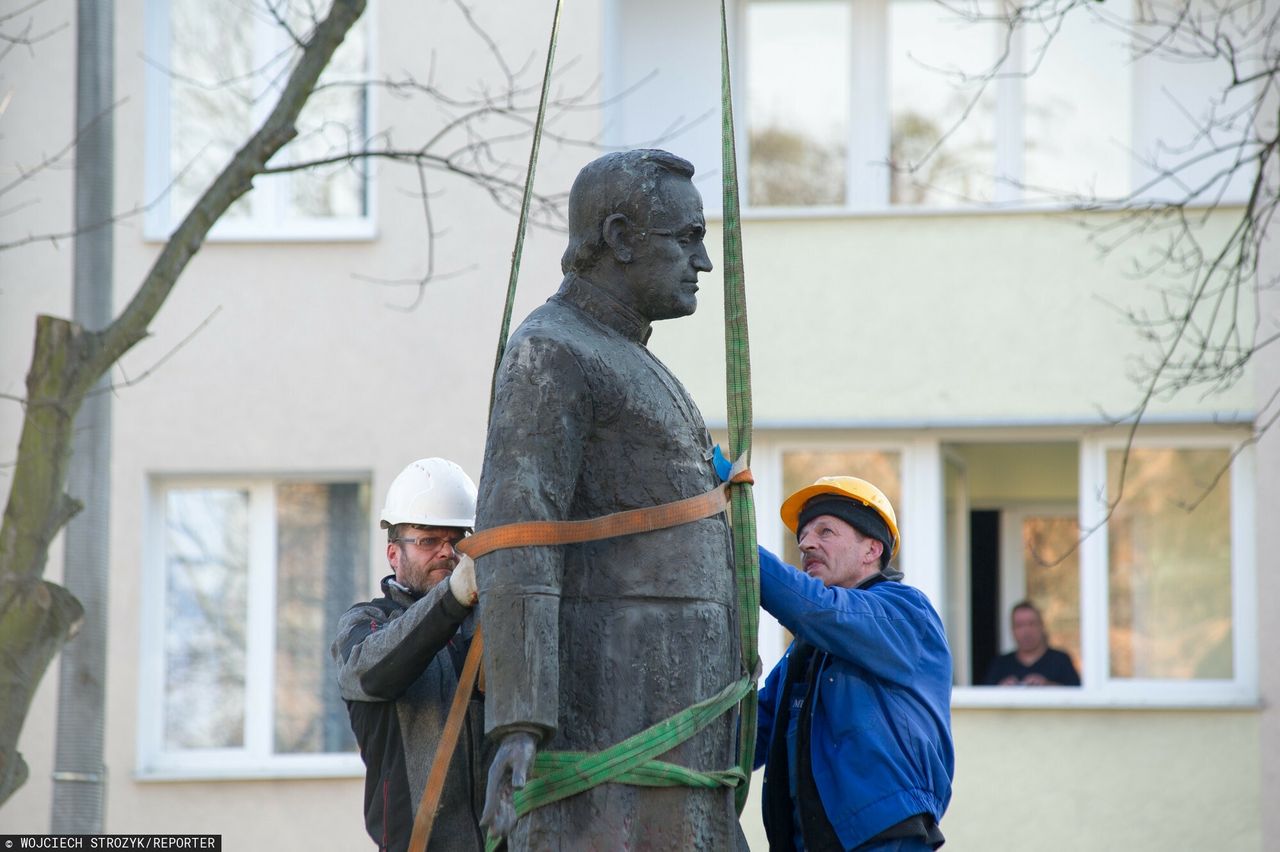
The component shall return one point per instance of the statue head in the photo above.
(636, 230)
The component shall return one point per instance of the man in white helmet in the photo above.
(855, 721)
(399, 657)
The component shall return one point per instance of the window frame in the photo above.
(923, 497)
(1095, 566)
(270, 191)
(255, 758)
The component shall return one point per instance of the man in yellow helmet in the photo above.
(855, 721)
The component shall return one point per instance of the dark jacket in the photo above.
(879, 716)
(398, 661)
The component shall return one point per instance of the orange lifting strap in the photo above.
(532, 533)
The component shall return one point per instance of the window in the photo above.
(215, 70)
(799, 132)
(1169, 565)
(1149, 602)
(248, 581)
(839, 89)
(1153, 604)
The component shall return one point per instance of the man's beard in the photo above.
(430, 575)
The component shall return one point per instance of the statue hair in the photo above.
(625, 182)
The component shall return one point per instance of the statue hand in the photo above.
(509, 772)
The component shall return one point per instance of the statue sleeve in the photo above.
(533, 458)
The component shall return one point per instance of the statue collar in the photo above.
(603, 308)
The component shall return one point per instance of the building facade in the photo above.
(953, 333)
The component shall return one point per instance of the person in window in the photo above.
(399, 657)
(1034, 663)
(855, 721)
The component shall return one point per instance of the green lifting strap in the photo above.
(518, 251)
(742, 510)
(559, 775)
(652, 773)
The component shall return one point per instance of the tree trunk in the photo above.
(36, 616)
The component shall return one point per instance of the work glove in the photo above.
(462, 582)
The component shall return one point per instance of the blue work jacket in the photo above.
(880, 730)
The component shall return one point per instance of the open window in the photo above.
(1152, 602)
(1147, 594)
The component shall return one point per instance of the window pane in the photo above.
(332, 123)
(881, 469)
(930, 50)
(798, 101)
(323, 542)
(1078, 108)
(206, 612)
(1170, 566)
(1051, 562)
(211, 94)
(228, 63)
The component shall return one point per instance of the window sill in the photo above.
(1009, 208)
(344, 230)
(318, 767)
(1160, 696)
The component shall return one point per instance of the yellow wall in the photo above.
(926, 319)
(1065, 781)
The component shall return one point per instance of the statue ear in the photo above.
(614, 233)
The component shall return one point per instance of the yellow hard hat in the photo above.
(851, 488)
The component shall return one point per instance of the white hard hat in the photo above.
(431, 493)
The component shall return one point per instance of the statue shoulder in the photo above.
(551, 334)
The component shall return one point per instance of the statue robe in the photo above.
(588, 644)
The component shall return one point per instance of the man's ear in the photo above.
(877, 550)
(393, 556)
(614, 232)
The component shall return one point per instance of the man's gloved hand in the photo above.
(462, 582)
(509, 772)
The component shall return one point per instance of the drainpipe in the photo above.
(79, 773)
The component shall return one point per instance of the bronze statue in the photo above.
(588, 644)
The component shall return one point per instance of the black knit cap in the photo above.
(862, 518)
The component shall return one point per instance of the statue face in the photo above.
(668, 253)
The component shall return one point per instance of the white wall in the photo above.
(304, 368)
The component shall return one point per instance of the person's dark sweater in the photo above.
(1054, 665)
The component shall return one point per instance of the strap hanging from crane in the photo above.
(557, 775)
(742, 514)
(425, 817)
